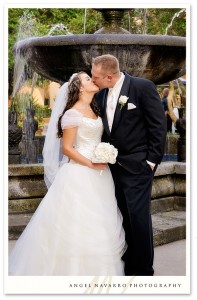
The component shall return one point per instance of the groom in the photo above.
(134, 122)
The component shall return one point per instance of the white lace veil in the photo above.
(53, 157)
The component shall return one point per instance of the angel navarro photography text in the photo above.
(124, 285)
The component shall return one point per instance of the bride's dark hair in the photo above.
(73, 97)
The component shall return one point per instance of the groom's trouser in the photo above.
(133, 193)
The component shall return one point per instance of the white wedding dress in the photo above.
(77, 228)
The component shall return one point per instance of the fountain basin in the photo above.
(155, 57)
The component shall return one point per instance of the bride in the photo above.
(77, 228)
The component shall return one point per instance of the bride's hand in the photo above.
(98, 166)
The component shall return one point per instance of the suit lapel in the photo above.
(105, 120)
(118, 112)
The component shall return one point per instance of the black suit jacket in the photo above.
(139, 134)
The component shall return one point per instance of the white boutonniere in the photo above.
(122, 101)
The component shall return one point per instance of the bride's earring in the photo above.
(81, 90)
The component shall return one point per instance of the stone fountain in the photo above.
(155, 57)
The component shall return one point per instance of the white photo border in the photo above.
(108, 285)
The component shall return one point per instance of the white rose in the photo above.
(122, 101)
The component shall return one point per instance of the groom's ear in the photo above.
(109, 77)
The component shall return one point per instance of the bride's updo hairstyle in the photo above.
(74, 86)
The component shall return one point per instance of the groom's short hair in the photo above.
(108, 63)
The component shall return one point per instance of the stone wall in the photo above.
(170, 179)
(27, 188)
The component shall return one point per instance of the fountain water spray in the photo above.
(30, 144)
(145, 20)
(176, 15)
(26, 29)
(84, 23)
(60, 27)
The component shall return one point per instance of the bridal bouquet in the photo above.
(105, 153)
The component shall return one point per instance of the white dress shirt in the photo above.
(112, 99)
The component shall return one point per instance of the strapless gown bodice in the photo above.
(88, 136)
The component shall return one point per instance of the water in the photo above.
(31, 150)
(26, 28)
(84, 22)
(19, 74)
(176, 15)
(34, 80)
(129, 21)
(59, 28)
(144, 21)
